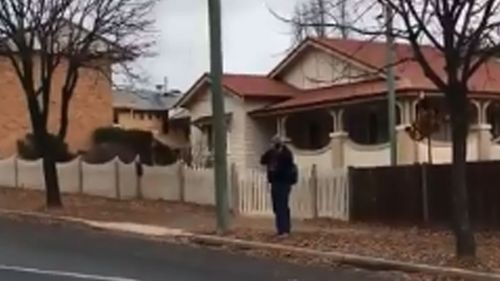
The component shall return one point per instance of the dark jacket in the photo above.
(280, 165)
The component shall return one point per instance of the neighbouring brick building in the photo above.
(90, 108)
(152, 111)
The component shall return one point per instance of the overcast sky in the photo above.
(254, 40)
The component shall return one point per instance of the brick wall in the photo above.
(90, 108)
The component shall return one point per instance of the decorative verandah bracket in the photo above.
(281, 127)
(338, 137)
(406, 147)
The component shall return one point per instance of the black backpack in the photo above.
(294, 174)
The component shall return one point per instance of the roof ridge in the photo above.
(368, 41)
(347, 84)
(247, 75)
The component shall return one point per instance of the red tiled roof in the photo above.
(257, 86)
(328, 95)
(246, 86)
(373, 54)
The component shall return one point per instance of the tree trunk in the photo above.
(53, 195)
(67, 93)
(45, 147)
(63, 130)
(465, 243)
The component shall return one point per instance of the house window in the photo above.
(209, 134)
(314, 135)
(368, 123)
(310, 130)
(164, 121)
(210, 139)
(439, 105)
(373, 131)
(444, 132)
(206, 140)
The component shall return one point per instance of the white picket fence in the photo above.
(322, 194)
(317, 194)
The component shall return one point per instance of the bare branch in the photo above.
(38, 36)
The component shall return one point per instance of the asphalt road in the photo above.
(30, 252)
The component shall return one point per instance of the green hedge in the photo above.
(27, 150)
(140, 142)
(118, 135)
(105, 152)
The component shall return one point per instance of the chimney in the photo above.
(165, 84)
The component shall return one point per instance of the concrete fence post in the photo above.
(139, 173)
(138, 186)
(117, 177)
(314, 191)
(181, 174)
(16, 172)
(80, 174)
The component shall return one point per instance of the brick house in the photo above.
(142, 109)
(90, 108)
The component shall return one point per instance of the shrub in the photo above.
(27, 149)
(163, 155)
(105, 152)
(136, 141)
(118, 135)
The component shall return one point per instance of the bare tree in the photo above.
(318, 18)
(427, 122)
(41, 36)
(464, 34)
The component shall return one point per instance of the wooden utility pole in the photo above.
(391, 88)
(218, 113)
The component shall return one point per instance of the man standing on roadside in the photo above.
(281, 174)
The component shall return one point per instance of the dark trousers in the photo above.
(280, 195)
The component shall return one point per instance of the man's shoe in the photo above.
(283, 235)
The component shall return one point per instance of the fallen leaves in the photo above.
(411, 244)
(435, 247)
(170, 214)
